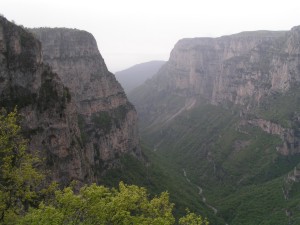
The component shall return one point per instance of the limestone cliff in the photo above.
(240, 69)
(225, 68)
(75, 113)
(234, 68)
(107, 120)
(49, 114)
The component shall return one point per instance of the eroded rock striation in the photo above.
(75, 113)
(108, 121)
(233, 68)
(240, 69)
(287, 135)
(49, 114)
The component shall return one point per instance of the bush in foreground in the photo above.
(22, 203)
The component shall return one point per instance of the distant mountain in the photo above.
(138, 74)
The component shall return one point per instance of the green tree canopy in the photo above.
(129, 204)
(93, 204)
(18, 177)
(192, 219)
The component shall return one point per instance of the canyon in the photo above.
(219, 122)
(226, 110)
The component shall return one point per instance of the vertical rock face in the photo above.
(75, 114)
(49, 115)
(74, 56)
(236, 68)
(230, 68)
(214, 69)
(242, 69)
(107, 119)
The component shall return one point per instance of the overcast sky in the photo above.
(129, 32)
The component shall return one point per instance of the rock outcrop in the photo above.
(290, 140)
(108, 121)
(49, 114)
(75, 113)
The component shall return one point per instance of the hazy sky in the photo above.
(134, 31)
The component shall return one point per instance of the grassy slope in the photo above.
(237, 166)
(158, 175)
(280, 108)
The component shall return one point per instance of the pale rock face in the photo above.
(286, 135)
(237, 69)
(234, 68)
(109, 121)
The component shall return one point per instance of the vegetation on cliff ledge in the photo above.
(24, 201)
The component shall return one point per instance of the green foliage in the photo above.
(163, 105)
(192, 219)
(67, 94)
(99, 205)
(17, 96)
(50, 95)
(237, 165)
(102, 120)
(18, 177)
(256, 204)
(280, 108)
(121, 112)
(21, 203)
(82, 127)
(159, 175)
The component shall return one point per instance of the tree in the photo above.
(18, 177)
(129, 204)
(192, 219)
(93, 204)
(100, 205)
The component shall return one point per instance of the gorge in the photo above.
(227, 110)
(219, 122)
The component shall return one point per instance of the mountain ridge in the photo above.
(135, 75)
